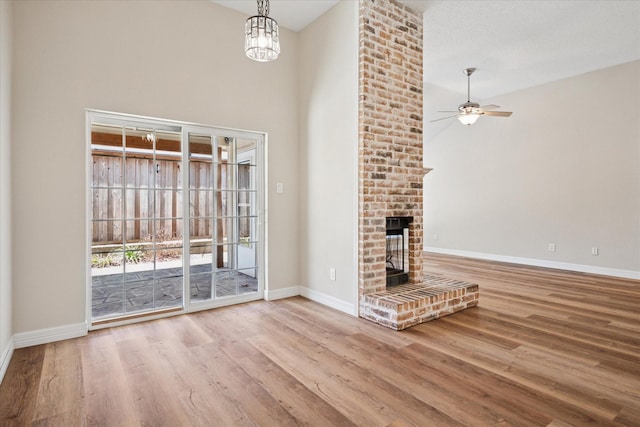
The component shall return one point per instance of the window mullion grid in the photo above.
(154, 217)
(185, 151)
(124, 217)
(215, 164)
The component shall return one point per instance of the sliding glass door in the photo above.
(175, 216)
(224, 225)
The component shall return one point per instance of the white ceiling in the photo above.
(524, 43)
(291, 14)
(513, 44)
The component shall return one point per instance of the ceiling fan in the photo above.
(469, 112)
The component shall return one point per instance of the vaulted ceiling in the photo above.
(513, 44)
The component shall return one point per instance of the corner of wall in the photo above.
(328, 102)
(6, 284)
(5, 358)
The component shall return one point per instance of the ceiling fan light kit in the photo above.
(469, 112)
(468, 119)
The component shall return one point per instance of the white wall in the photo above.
(564, 169)
(179, 60)
(328, 67)
(6, 330)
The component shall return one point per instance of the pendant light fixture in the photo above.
(262, 39)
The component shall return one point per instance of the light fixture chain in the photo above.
(263, 7)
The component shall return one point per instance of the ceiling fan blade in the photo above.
(498, 113)
(442, 118)
(489, 107)
(448, 111)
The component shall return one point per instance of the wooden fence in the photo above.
(152, 189)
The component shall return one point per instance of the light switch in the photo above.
(279, 188)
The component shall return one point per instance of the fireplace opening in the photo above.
(397, 251)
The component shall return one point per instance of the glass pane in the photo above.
(225, 152)
(168, 233)
(106, 203)
(225, 256)
(246, 149)
(201, 175)
(139, 231)
(247, 255)
(106, 169)
(225, 203)
(200, 260)
(139, 263)
(168, 262)
(168, 173)
(226, 283)
(200, 146)
(139, 203)
(224, 173)
(168, 203)
(224, 176)
(225, 230)
(139, 142)
(106, 139)
(106, 232)
(138, 278)
(248, 231)
(107, 262)
(201, 203)
(246, 176)
(201, 255)
(247, 280)
(201, 230)
(168, 292)
(201, 283)
(139, 295)
(113, 250)
(140, 170)
(107, 295)
(168, 145)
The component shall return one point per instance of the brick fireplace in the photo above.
(390, 136)
(390, 167)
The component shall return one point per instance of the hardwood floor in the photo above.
(543, 347)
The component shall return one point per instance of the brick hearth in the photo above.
(400, 307)
(390, 166)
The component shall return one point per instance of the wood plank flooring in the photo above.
(543, 348)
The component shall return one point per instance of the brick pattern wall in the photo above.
(390, 136)
(404, 306)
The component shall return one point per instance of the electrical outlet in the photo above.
(552, 247)
(594, 251)
(332, 273)
(279, 188)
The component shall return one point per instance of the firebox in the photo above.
(397, 229)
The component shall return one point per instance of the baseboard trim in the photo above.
(275, 294)
(605, 271)
(5, 358)
(329, 301)
(44, 336)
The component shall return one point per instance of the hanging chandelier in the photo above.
(262, 39)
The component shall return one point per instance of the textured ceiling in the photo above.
(524, 43)
(514, 44)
